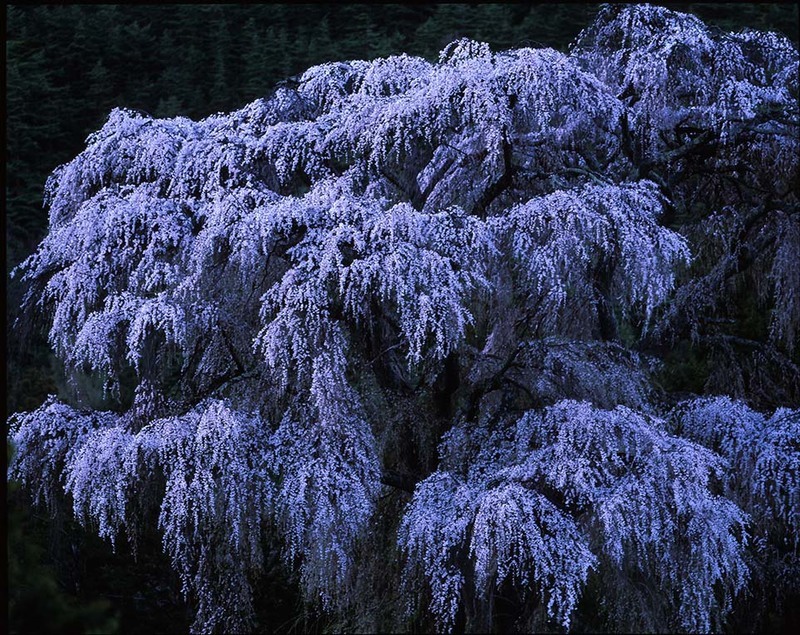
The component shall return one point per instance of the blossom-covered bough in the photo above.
(292, 306)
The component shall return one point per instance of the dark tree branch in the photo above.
(404, 482)
(499, 186)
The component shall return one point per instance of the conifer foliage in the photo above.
(293, 305)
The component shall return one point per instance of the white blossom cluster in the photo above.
(576, 489)
(212, 513)
(763, 455)
(561, 239)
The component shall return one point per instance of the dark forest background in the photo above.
(67, 66)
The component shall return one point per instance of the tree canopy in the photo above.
(416, 320)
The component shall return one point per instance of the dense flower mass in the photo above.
(292, 306)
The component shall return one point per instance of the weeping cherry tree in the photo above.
(409, 321)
